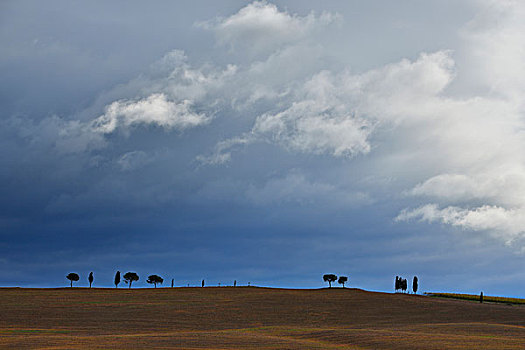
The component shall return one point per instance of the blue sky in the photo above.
(267, 142)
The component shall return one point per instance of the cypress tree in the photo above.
(117, 279)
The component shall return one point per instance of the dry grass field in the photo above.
(472, 297)
(251, 318)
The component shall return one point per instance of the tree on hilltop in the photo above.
(404, 285)
(129, 277)
(154, 279)
(90, 279)
(330, 278)
(415, 284)
(117, 279)
(72, 277)
(342, 280)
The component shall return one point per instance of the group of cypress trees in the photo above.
(402, 284)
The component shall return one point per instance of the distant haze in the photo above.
(264, 142)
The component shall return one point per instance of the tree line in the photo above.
(401, 284)
(129, 278)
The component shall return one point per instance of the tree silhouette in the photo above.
(129, 277)
(154, 279)
(414, 285)
(404, 285)
(72, 277)
(172, 281)
(90, 279)
(117, 279)
(342, 280)
(398, 287)
(330, 278)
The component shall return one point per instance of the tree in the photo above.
(90, 279)
(414, 285)
(72, 277)
(117, 279)
(129, 277)
(397, 283)
(154, 279)
(172, 281)
(330, 278)
(404, 285)
(342, 280)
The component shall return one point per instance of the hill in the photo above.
(251, 318)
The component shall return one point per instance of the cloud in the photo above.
(222, 152)
(133, 160)
(495, 47)
(335, 113)
(476, 147)
(75, 136)
(501, 223)
(64, 136)
(261, 26)
(153, 110)
(309, 127)
(501, 187)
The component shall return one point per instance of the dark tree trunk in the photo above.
(71, 283)
(330, 284)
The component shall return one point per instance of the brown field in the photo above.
(475, 297)
(251, 318)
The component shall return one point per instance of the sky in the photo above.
(268, 142)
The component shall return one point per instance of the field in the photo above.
(472, 297)
(251, 318)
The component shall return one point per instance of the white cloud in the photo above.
(501, 187)
(501, 223)
(336, 113)
(179, 80)
(261, 26)
(477, 145)
(495, 48)
(75, 136)
(309, 127)
(153, 110)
